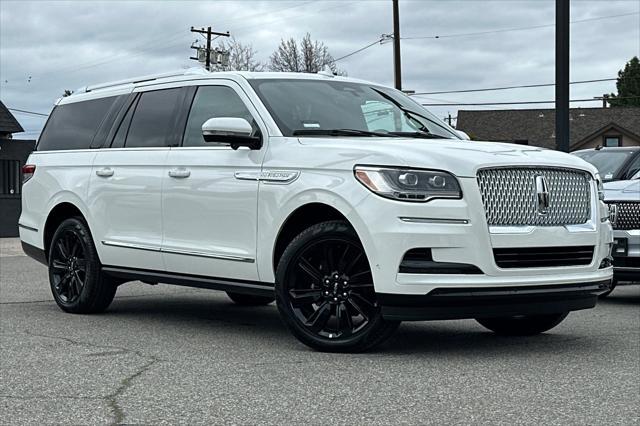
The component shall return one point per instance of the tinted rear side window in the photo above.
(73, 126)
(153, 119)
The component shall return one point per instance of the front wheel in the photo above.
(325, 292)
(523, 325)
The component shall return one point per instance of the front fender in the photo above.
(278, 202)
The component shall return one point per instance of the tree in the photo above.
(307, 56)
(242, 57)
(628, 85)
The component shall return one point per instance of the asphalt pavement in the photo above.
(173, 355)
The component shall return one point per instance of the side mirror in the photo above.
(463, 135)
(234, 131)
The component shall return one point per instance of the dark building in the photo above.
(590, 127)
(13, 154)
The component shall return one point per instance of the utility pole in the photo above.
(397, 69)
(562, 75)
(208, 33)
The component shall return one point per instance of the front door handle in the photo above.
(105, 172)
(179, 173)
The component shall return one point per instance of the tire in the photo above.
(325, 292)
(76, 282)
(614, 283)
(250, 300)
(526, 325)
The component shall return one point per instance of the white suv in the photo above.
(345, 201)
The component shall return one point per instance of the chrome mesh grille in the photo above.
(510, 198)
(627, 215)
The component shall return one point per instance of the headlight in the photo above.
(408, 184)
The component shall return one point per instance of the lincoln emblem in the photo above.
(542, 192)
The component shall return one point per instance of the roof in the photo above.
(198, 74)
(8, 123)
(537, 126)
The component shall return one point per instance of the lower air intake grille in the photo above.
(543, 257)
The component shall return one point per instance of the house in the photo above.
(590, 127)
(13, 155)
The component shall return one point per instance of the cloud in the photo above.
(65, 45)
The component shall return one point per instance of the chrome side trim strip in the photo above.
(209, 255)
(178, 251)
(130, 245)
(28, 227)
(626, 268)
(434, 220)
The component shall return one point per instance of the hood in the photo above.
(622, 190)
(460, 157)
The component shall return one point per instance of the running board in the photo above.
(256, 288)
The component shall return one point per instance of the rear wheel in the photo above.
(249, 300)
(76, 282)
(325, 292)
(523, 325)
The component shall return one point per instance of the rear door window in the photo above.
(154, 119)
(74, 125)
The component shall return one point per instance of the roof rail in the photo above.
(140, 79)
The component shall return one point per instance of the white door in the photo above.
(210, 215)
(126, 182)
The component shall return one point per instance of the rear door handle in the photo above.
(179, 173)
(105, 172)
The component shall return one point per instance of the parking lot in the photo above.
(164, 354)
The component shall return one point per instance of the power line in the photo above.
(359, 50)
(525, 102)
(23, 111)
(522, 86)
(532, 27)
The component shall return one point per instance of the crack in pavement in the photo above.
(112, 398)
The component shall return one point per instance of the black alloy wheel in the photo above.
(75, 276)
(69, 266)
(325, 291)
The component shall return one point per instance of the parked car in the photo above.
(623, 198)
(345, 201)
(615, 163)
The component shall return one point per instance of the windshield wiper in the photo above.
(411, 115)
(339, 132)
(421, 134)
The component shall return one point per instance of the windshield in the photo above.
(323, 107)
(608, 163)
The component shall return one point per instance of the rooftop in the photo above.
(537, 126)
(8, 123)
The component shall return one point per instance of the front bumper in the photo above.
(456, 232)
(626, 255)
(491, 302)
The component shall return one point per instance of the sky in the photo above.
(49, 46)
